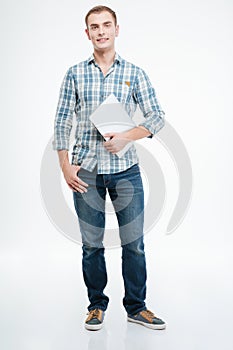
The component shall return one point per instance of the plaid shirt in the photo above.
(85, 87)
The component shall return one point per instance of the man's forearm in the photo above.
(63, 158)
(137, 133)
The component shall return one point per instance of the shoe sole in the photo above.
(93, 327)
(148, 325)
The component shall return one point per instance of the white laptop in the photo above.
(111, 116)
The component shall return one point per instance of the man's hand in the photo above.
(70, 173)
(116, 142)
(72, 179)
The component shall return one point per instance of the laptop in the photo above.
(111, 116)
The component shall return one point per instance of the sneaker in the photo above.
(147, 319)
(94, 320)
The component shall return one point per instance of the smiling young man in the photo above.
(96, 168)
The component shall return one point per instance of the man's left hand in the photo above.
(116, 142)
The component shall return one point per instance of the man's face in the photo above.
(102, 30)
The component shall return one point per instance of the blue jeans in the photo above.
(126, 192)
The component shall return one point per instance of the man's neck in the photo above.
(104, 59)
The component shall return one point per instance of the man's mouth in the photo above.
(102, 40)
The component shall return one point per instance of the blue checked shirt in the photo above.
(83, 89)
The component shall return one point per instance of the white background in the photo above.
(186, 48)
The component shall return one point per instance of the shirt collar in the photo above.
(117, 59)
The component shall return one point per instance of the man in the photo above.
(96, 168)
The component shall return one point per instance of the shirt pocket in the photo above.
(124, 92)
(126, 97)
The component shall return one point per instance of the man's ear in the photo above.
(88, 35)
(117, 30)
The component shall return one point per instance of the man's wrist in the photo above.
(65, 166)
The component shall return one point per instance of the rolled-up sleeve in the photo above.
(64, 114)
(145, 96)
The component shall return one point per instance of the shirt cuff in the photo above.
(153, 127)
(58, 146)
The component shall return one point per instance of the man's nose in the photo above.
(101, 30)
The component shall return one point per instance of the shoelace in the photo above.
(148, 314)
(94, 313)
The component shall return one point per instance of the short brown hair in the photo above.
(99, 9)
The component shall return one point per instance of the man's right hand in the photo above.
(70, 173)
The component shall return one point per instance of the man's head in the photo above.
(102, 27)
(99, 9)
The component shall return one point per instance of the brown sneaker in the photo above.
(94, 320)
(147, 319)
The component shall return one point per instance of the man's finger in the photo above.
(78, 187)
(77, 180)
(82, 183)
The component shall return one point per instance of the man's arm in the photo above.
(145, 95)
(62, 128)
(64, 114)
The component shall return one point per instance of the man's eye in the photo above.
(94, 28)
